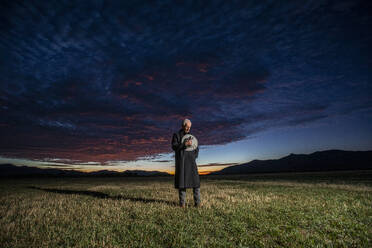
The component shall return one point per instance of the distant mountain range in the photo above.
(329, 160)
(9, 170)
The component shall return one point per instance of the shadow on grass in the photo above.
(102, 195)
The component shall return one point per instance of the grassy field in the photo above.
(263, 210)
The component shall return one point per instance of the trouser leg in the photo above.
(196, 193)
(182, 195)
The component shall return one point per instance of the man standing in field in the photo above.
(186, 175)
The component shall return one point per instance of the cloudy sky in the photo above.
(104, 84)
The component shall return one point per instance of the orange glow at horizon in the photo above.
(171, 172)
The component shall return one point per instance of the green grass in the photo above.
(265, 210)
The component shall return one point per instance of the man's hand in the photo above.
(188, 143)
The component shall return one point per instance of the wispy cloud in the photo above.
(106, 81)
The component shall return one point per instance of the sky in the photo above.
(92, 85)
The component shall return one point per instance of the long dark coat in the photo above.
(186, 175)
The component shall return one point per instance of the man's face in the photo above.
(187, 127)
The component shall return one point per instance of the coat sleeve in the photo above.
(196, 151)
(177, 145)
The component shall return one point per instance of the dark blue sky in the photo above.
(91, 83)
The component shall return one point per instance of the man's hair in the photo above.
(185, 121)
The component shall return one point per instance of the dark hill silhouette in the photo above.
(329, 160)
(9, 170)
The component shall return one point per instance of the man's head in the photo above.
(186, 125)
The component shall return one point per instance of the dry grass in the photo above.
(139, 212)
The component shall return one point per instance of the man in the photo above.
(186, 175)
